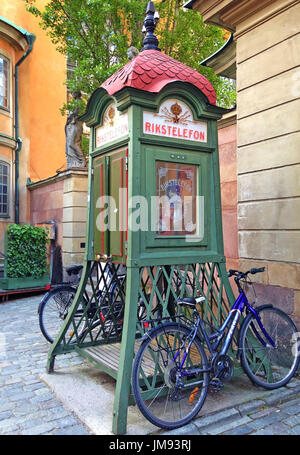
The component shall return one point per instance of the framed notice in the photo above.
(176, 186)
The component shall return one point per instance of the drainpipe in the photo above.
(30, 40)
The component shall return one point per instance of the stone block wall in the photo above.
(268, 152)
(74, 205)
(266, 36)
(228, 177)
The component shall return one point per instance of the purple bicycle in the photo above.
(177, 362)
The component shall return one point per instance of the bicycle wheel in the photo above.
(164, 396)
(266, 365)
(53, 310)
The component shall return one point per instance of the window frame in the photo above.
(8, 82)
(8, 202)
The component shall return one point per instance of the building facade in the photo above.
(32, 138)
(264, 53)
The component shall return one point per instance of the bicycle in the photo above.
(176, 363)
(55, 305)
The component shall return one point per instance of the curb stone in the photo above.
(189, 429)
(204, 422)
(279, 395)
(219, 417)
(218, 428)
(209, 424)
(250, 407)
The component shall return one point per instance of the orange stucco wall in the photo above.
(41, 93)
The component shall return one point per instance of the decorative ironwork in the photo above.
(150, 41)
(174, 116)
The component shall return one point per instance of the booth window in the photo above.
(4, 189)
(4, 82)
(176, 189)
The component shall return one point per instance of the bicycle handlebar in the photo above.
(240, 274)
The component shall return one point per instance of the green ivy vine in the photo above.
(26, 251)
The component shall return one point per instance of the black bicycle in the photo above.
(105, 313)
(55, 305)
(178, 361)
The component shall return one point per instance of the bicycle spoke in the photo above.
(267, 365)
(158, 393)
(54, 310)
(160, 390)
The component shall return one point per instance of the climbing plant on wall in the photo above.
(26, 251)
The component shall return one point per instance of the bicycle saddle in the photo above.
(190, 301)
(74, 269)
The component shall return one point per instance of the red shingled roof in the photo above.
(151, 70)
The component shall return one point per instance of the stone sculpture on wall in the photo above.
(74, 129)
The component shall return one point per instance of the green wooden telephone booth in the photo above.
(154, 229)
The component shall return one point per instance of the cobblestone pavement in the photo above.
(27, 406)
(275, 420)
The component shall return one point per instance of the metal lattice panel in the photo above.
(161, 286)
(97, 315)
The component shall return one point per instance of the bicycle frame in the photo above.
(233, 318)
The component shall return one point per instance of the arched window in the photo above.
(4, 189)
(4, 82)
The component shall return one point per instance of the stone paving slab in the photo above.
(89, 393)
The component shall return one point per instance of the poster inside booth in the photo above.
(176, 190)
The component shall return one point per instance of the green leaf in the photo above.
(95, 35)
(26, 251)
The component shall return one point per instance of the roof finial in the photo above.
(150, 41)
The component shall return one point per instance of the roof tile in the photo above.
(152, 70)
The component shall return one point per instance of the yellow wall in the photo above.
(41, 93)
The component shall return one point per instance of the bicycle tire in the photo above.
(166, 411)
(53, 310)
(267, 366)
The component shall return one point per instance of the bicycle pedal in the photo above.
(216, 384)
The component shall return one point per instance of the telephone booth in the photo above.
(154, 229)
